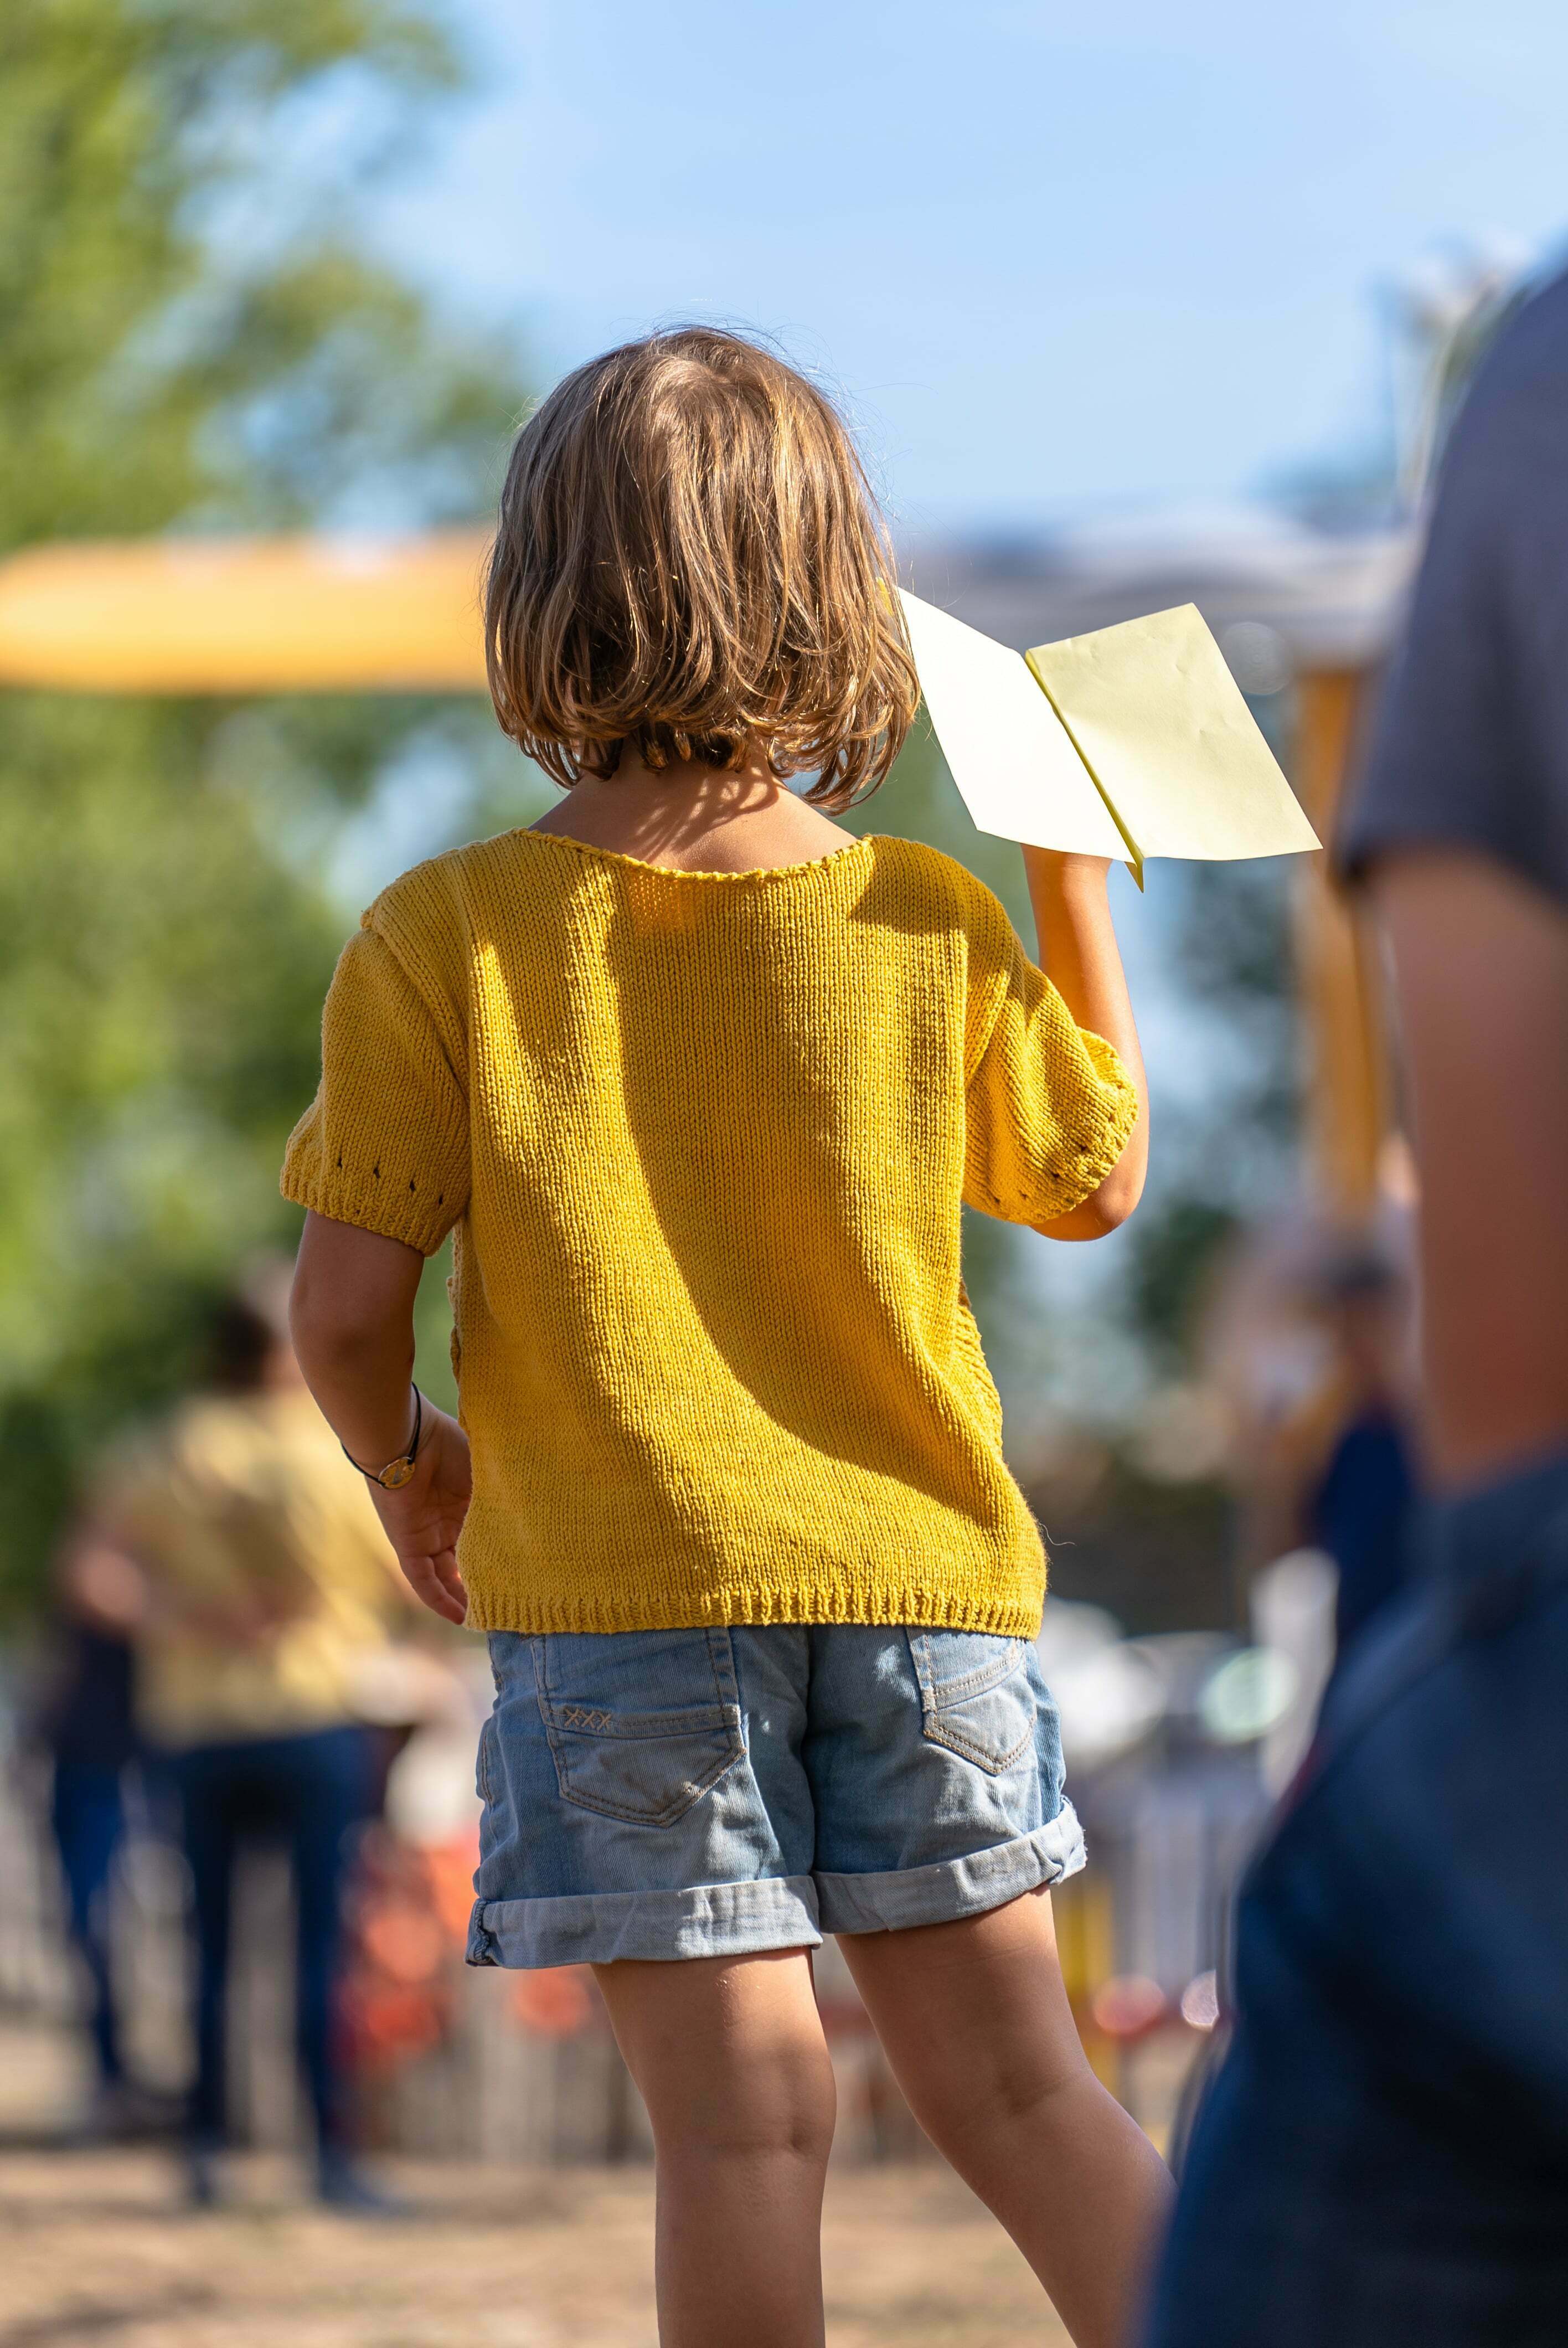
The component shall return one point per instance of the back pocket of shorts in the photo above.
(976, 1697)
(640, 1723)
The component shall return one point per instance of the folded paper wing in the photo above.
(1162, 725)
(1147, 715)
(1008, 751)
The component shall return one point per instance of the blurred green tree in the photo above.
(1227, 1155)
(184, 343)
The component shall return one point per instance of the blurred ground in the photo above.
(94, 2247)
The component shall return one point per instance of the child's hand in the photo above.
(424, 1516)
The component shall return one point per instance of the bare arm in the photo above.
(99, 1584)
(117, 1588)
(1078, 954)
(1481, 973)
(351, 1317)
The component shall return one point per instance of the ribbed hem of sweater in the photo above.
(491, 1607)
(1100, 1149)
(369, 1206)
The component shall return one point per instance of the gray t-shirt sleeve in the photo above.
(1470, 745)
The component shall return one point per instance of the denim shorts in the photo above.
(666, 1794)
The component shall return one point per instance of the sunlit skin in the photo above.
(729, 2053)
(730, 2060)
(1480, 975)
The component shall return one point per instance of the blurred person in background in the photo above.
(1361, 1498)
(266, 1584)
(1382, 2161)
(86, 1726)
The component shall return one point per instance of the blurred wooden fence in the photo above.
(520, 2067)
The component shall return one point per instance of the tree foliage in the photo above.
(183, 346)
(194, 338)
(1229, 1155)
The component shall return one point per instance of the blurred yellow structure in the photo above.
(322, 614)
(242, 616)
(1348, 1087)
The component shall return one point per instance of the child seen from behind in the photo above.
(699, 1084)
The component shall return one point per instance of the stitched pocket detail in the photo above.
(642, 1723)
(976, 1698)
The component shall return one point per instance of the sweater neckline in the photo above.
(758, 872)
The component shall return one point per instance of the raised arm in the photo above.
(352, 1318)
(1078, 953)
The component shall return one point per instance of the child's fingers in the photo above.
(437, 1583)
(452, 1584)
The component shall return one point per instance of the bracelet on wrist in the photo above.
(396, 1472)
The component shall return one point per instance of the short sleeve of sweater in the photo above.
(384, 1144)
(1049, 1108)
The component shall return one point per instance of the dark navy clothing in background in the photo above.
(86, 1813)
(1382, 2160)
(90, 1713)
(1360, 1514)
(308, 1793)
(88, 1727)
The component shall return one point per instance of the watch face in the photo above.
(401, 1472)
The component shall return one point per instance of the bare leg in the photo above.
(730, 2057)
(977, 2026)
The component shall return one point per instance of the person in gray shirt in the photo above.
(1382, 2158)
(1470, 750)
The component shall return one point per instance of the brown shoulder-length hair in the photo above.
(690, 558)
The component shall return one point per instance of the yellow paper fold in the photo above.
(1162, 725)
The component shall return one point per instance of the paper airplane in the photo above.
(1133, 742)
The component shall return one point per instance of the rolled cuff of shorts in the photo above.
(605, 1928)
(907, 1896)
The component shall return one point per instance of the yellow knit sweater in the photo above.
(704, 1138)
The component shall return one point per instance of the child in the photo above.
(700, 1081)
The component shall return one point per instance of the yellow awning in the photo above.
(304, 614)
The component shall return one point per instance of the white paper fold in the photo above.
(1008, 751)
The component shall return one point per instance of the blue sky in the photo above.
(1054, 258)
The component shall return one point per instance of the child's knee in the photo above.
(993, 2097)
(779, 2108)
(796, 2139)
